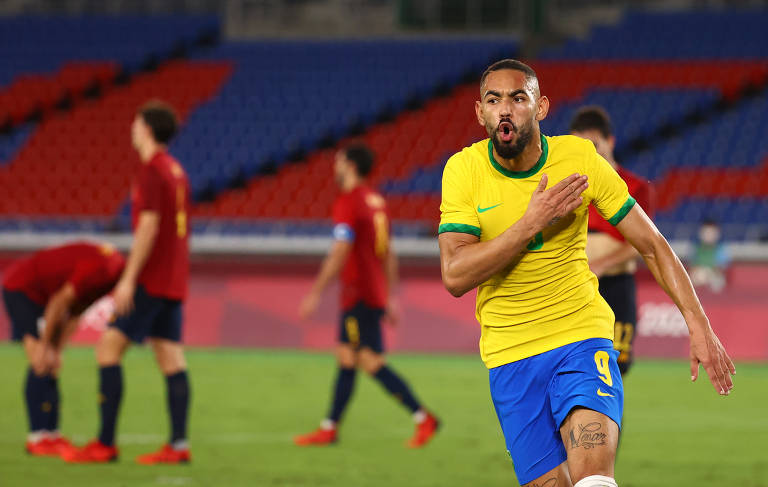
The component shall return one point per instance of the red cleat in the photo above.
(424, 432)
(93, 452)
(42, 448)
(166, 454)
(318, 437)
(48, 447)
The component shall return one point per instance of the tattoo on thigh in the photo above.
(547, 483)
(587, 436)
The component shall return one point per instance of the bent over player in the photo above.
(514, 226)
(362, 253)
(149, 294)
(45, 294)
(611, 258)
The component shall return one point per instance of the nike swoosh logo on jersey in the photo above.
(483, 210)
(604, 394)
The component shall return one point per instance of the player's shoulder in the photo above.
(569, 146)
(469, 158)
(165, 164)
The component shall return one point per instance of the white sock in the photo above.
(180, 445)
(327, 425)
(419, 416)
(596, 481)
(35, 436)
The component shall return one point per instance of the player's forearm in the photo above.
(472, 264)
(143, 242)
(393, 274)
(66, 331)
(672, 277)
(330, 267)
(55, 313)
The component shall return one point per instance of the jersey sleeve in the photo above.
(457, 210)
(343, 220)
(609, 192)
(150, 186)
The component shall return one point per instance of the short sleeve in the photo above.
(343, 220)
(610, 194)
(150, 186)
(457, 210)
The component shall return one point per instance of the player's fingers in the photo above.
(563, 184)
(542, 184)
(715, 377)
(571, 190)
(726, 372)
(694, 369)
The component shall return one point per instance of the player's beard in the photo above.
(510, 151)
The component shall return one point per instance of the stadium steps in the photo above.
(80, 163)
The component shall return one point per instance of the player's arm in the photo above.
(143, 240)
(466, 262)
(706, 348)
(56, 315)
(329, 270)
(393, 280)
(622, 255)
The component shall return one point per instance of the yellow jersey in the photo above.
(547, 297)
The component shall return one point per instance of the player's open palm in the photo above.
(549, 205)
(707, 350)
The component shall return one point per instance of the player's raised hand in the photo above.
(549, 205)
(707, 350)
(123, 296)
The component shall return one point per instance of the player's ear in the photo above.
(542, 108)
(612, 142)
(479, 113)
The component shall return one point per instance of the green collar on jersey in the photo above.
(520, 174)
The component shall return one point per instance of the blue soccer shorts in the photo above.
(152, 316)
(533, 396)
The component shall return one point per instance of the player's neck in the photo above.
(147, 152)
(350, 183)
(525, 160)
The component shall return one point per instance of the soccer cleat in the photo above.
(48, 447)
(166, 454)
(424, 432)
(93, 452)
(318, 437)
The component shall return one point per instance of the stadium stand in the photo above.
(263, 124)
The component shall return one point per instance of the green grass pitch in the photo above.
(248, 404)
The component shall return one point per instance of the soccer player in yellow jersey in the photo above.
(514, 225)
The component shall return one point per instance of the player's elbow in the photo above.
(454, 287)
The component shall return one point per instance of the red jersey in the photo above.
(360, 216)
(162, 186)
(92, 269)
(640, 189)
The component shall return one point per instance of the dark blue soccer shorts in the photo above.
(152, 316)
(23, 314)
(533, 396)
(360, 326)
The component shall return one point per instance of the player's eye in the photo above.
(519, 99)
(493, 101)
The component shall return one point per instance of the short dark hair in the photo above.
(592, 117)
(361, 156)
(161, 119)
(512, 64)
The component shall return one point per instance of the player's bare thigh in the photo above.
(30, 346)
(590, 440)
(169, 355)
(557, 477)
(111, 347)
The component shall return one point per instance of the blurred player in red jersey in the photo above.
(44, 296)
(362, 255)
(149, 294)
(611, 258)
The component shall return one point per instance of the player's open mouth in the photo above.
(506, 130)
